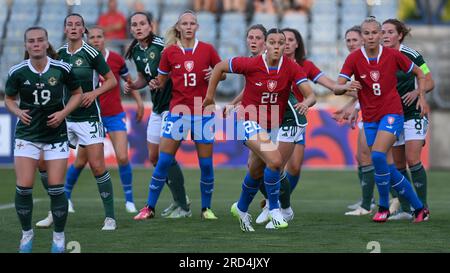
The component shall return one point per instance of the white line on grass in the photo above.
(12, 205)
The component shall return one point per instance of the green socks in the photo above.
(59, 206)
(106, 192)
(24, 206)
(367, 185)
(175, 181)
(419, 179)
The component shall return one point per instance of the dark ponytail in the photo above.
(148, 39)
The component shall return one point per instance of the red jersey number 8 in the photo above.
(376, 89)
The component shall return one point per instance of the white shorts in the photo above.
(293, 134)
(413, 129)
(360, 125)
(33, 149)
(154, 127)
(85, 133)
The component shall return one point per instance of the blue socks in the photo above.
(401, 184)
(272, 184)
(206, 180)
(126, 177)
(71, 179)
(159, 178)
(293, 180)
(382, 177)
(250, 187)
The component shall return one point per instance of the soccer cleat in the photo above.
(276, 217)
(167, 211)
(208, 214)
(26, 243)
(360, 211)
(400, 215)
(110, 224)
(46, 222)
(421, 215)
(264, 215)
(394, 205)
(288, 214)
(179, 213)
(130, 207)
(58, 243)
(382, 215)
(70, 209)
(355, 206)
(145, 213)
(245, 219)
(57, 249)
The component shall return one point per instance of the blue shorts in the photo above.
(249, 128)
(177, 127)
(115, 123)
(303, 139)
(391, 123)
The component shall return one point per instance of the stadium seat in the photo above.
(154, 7)
(385, 11)
(266, 19)
(89, 10)
(321, 34)
(177, 6)
(167, 21)
(296, 21)
(208, 27)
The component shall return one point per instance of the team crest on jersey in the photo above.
(52, 81)
(271, 85)
(152, 55)
(391, 120)
(189, 65)
(375, 75)
(78, 62)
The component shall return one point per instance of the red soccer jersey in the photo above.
(267, 87)
(110, 101)
(378, 77)
(313, 73)
(186, 71)
(114, 18)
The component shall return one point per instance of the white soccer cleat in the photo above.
(58, 243)
(179, 213)
(130, 207)
(70, 209)
(245, 219)
(401, 216)
(288, 214)
(276, 217)
(355, 206)
(110, 224)
(264, 215)
(394, 206)
(360, 211)
(46, 222)
(270, 225)
(26, 243)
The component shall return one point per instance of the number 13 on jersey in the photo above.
(190, 79)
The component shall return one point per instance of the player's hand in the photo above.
(353, 118)
(24, 117)
(208, 101)
(410, 97)
(423, 105)
(140, 112)
(128, 86)
(154, 84)
(87, 99)
(354, 86)
(55, 119)
(301, 108)
(208, 73)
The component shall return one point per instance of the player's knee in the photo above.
(122, 159)
(275, 163)
(378, 158)
(98, 168)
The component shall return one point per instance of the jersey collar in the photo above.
(380, 51)
(106, 54)
(263, 56)
(47, 66)
(76, 51)
(193, 49)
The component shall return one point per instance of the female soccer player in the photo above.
(145, 50)
(374, 67)
(40, 81)
(268, 84)
(113, 118)
(188, 63)
(407, 150)
(84, 125)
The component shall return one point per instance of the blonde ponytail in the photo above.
(172, 36)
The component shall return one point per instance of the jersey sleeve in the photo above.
(420, 62)
(100, 65)
(164, 64)
(347, 69)
(12, 85)
(403, 62)
(239, 65)
(123, 70)
(312, 71)
(299, 74)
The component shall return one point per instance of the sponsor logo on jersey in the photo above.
(271, 85)
(375, 75)
(145, 60)
(259, 84)
(152, 55)
(189, 65)
(363, 76)
(40, 85)
(78, 62)
(27, 82)
(178, 66)
(52, 81)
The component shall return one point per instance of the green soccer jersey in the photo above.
(407, 82)
(87, 62)
(291, 116)
(42, 94)
(147, 62)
